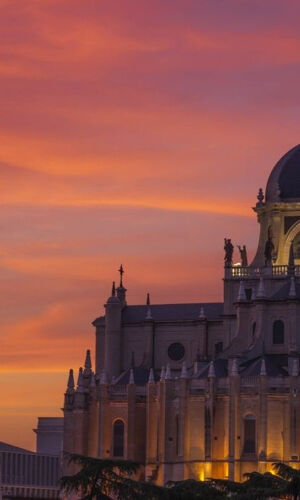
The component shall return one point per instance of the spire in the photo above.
(80, 383)
(211, 370)
(242, 294)
(113, 289)
(234, 367)
(261, 293)
(121, 271)
(103, 378)
(148, 313)
(131, 376)
(184, 373)
(168, 372)
(202, 313)
(295, 368)
(88, 363)
(292, 292)
(71, 384)
(162, 373)
(151, 376)
(263, 370)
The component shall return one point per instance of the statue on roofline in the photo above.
(243, 254)
(228, 247)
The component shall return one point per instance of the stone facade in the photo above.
(203, 390)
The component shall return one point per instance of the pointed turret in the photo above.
(80, 381)
(151, 379)
(261, 293)
(131, 376)
(184, 373)
(148, 313)
(202, 313)
(242, 294)
(87, 363)
(168, 372)
(263, 370)
(71, 383)
(292, 292)
(162, 373)
(211, 370)
(113, 299)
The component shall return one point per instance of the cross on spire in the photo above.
(121, 271)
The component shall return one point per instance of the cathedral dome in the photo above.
(284, 181)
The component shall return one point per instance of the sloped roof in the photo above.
(140, 376)
(220, 366)
(276, 365)
(172, 312)
(15, 449)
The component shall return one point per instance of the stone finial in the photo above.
(234, 367)
(151, 379)
(263, 370)
(168, 372)
(103, 378)
(202, 313)
(71, 383)
(93, 381)
(113, 289)
(131, 376)
(88, 362)
(242, 294)
(261, 293)
(121, 271)
(162, 373)
(80, 381)
(295, 368)
(260, 197)
(292, 292)
(211, 370)
(184, 373)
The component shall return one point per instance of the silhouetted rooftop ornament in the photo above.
(184, 373)
(263, 370)
(228, 247)
(88, 362)
(148, 314)
(121, 271)
(162, 373)
(260, 197)
(71, 383)
(131, 376)
(113, 289)
(80, 383)
(168, 372)
(151, 376)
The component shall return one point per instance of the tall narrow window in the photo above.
(249, 434)
(278, 332)
(118, 438)
(207, 433)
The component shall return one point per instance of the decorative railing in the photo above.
(239, 272)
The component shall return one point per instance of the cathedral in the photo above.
(203, 390)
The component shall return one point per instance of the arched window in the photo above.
(118, 438)
(249, 434)
(278, 332)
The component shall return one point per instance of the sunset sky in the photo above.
(134, 132)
